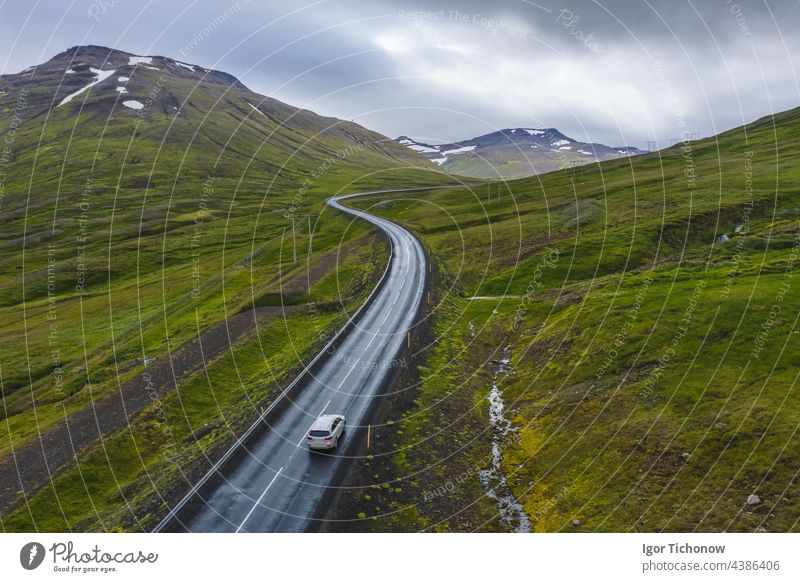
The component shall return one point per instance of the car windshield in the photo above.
(318, 433)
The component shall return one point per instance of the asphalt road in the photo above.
(277, 485)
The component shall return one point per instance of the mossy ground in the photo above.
(655, 364)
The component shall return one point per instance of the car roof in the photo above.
(325, 421)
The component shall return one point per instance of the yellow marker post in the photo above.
(369, 433)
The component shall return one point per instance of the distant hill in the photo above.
(515, 153)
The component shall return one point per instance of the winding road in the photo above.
(272, 483)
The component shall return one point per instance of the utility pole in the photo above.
(294, 242)
(308, 258)
(309, 237)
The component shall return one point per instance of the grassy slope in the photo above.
(155, 208)
(639, 395)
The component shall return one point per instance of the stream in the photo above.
(493, 479)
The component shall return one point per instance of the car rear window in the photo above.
(318, 433)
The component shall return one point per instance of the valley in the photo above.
(603, 346)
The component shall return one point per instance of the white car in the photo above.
(326, 432)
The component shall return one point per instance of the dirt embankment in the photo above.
(33, 465)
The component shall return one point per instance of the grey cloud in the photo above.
(617, 71)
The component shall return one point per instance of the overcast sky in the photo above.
(615, 72)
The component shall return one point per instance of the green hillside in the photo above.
(127, 232)
(650, 309)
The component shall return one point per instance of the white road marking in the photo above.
(252, 509)
(404, 277)
(348, 374)
(323, 408)
(403, 255)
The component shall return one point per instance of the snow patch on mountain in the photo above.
(101, 76)
(257, 110)
(436, 154)
(422, 148)
(459, 150)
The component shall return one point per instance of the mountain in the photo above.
(92, 91)
(515, 153)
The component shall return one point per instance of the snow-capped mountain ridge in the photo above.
(515, 152)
